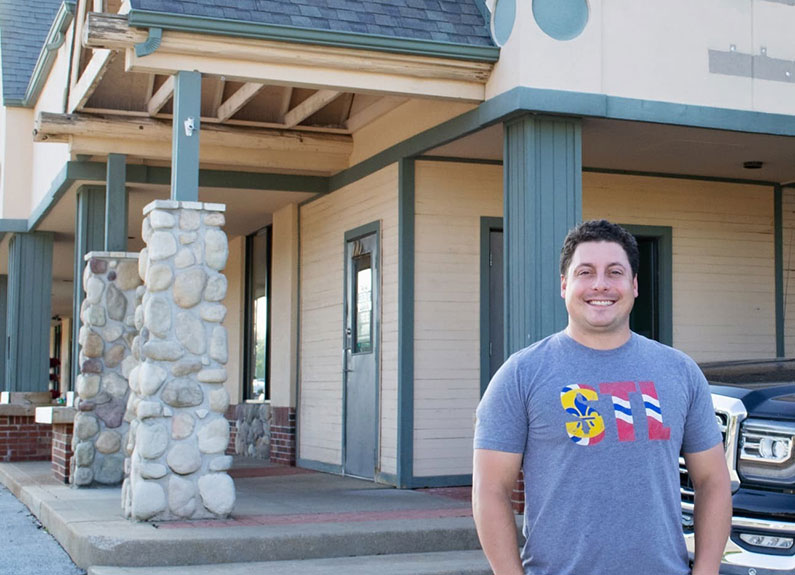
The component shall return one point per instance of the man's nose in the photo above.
(600, 281)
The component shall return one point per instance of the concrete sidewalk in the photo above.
(281, 515)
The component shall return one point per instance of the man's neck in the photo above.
(600, 341)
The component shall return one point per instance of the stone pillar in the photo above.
(106, 336)
(178, 465)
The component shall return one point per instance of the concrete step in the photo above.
(471, 562)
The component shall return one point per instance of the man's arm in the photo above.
(713, 507)
(493, 478)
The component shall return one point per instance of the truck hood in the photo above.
(766, 387)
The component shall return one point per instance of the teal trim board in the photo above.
(89, 236)
(778, 239)
(28, 319)
(74, 171)
(238, 28)
(521, 100)
(116, 204)
(405, 416)
(185, 139)
(322, 466)
(487, 224)
(665, 281)
(441, 481)
(542, 201)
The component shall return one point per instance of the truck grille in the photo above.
(685, 485)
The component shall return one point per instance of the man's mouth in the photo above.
(601, 302)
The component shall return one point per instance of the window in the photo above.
(258, 273)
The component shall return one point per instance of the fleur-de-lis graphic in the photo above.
(586, 415)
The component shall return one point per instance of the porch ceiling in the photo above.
(658, 148)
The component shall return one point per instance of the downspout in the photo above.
(151, 44)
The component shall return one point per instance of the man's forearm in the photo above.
(496, 527)
(712, 523)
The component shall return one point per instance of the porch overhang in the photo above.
(318, 66)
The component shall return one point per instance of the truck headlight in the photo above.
(767, 451)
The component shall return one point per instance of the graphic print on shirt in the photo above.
(619, 391)
(589, 428)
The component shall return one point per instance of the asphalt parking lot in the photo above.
(27, 548)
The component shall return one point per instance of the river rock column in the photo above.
(177, 467)
(106, 335)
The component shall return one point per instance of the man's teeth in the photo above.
(601, 302)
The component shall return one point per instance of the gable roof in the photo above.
(24, 25)
(460, 22)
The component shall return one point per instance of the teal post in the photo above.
(116, 203)
(89, 237)
(3, 320)
(542, 201)
(185, 143)
(406, 211)
(29, 302)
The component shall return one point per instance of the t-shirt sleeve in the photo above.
(501, 423)
(701, 427)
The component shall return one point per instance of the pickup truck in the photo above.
(755, 407)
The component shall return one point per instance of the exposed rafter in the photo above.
(284, 106)
(237, 100)
(161, 97)
(312, 104)
(217, 96)
(91, 76)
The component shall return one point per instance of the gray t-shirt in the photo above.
(601, 433)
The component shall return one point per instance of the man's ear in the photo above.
(635, 285)
(563, 286)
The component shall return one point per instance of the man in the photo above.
(596, 416)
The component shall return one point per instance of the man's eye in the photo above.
(584, 272)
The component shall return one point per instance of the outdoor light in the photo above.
(767, 541)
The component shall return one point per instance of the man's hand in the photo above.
(493, 478)
(713, 507)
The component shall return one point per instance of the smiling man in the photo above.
(596, 416)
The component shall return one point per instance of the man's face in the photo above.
(599, 290)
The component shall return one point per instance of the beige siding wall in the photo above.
(788, 213)
(323, 224)
(284, 311)
(450, 200)
(723, 261)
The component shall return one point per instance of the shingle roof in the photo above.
(454, 21)
(23, 28)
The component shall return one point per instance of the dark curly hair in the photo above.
(599, 231)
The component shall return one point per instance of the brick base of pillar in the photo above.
(22, 439)
(61, 450)
(517, 498)
(283, 435)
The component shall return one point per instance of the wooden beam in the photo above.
(373, 112)
(345, 108)
(150, 86)
(287, 96)
(222, 144)
(90, 79)
(312, 104)
(237, 100)
(161, 97)
(217, 94)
